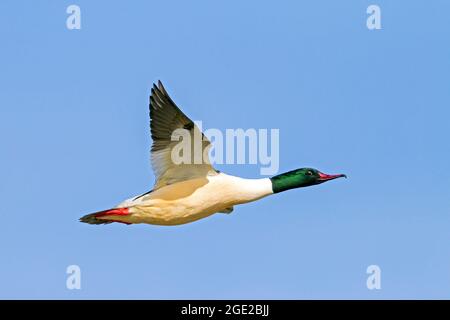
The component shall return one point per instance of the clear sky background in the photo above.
(74, 139)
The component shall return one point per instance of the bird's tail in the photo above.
(100, 216)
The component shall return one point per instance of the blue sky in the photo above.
(74, 139)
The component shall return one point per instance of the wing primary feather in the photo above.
(165, 117)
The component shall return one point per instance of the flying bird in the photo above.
(187, 192)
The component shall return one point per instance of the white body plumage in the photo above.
(194, 199)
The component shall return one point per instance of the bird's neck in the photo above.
(242, 190)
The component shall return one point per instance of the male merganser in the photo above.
(188, 192)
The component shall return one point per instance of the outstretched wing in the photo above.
(165, 118)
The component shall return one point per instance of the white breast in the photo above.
(239, 190)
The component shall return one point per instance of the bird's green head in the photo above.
(303, 177)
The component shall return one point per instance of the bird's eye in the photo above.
(309, 173)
